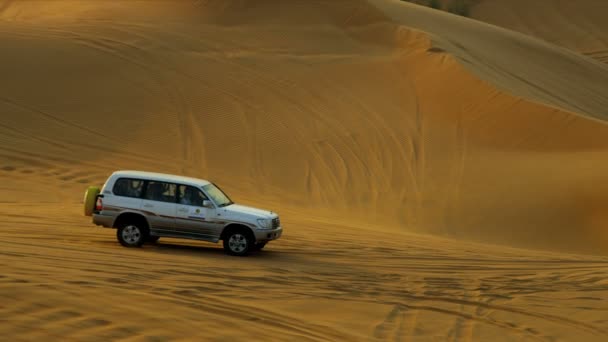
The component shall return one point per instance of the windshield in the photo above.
(217, 195)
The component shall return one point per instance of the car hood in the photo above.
(249, 211)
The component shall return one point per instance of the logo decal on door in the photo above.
(196, 214)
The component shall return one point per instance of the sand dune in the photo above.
(363, 123)
(519, 64)
(577, 25)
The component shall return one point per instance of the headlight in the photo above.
(265, 223)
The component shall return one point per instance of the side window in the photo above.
(128, 187)
(190, 195)
(160, 191)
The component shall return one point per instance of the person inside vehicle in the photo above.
(133, 189)
(155, 192)
(187, 197)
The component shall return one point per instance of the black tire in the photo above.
(259, 246)
(152, 239)
(132, 233)
(238, 242)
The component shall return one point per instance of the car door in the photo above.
(159, 206)
(193, 219)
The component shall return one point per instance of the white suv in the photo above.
(145, 206)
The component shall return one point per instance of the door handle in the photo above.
(183, 210)
(148, 205)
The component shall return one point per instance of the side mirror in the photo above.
(207, 204)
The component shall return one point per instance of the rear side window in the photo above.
(128, 187)
(160, 191)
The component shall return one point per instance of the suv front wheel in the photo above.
(238, 242)
(259, 246)
(132, 234)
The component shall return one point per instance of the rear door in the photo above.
(192, 218)
(159, 205)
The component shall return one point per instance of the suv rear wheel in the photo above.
(238, 242)
(132, 234)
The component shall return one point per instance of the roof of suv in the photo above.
(161, 177)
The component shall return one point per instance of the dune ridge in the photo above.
(577, 25)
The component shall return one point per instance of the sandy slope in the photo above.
(578, 25)
(343, 116)
(521, 65)
(353, 285)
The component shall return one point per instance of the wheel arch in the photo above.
(234, 226)
(128, 216)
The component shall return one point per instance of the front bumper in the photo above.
(263, 235)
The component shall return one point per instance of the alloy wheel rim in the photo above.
(237, 243)
(131, 234)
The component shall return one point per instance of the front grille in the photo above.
(276, 223)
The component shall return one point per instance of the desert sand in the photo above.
(438, 177)
(578, 25)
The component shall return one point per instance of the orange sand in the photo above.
(438, 178)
